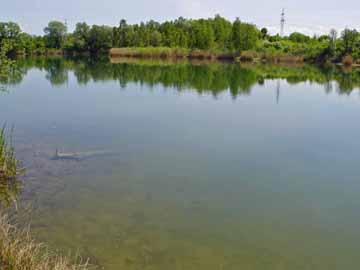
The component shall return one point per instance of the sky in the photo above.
(306, 16)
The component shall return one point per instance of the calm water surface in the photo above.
(206, 166)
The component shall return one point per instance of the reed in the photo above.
(10, 186)
(149, 52)
(167, 52)
(9, 165)
(348, 61)
(248, 56)
(271, 57)
(18, 251)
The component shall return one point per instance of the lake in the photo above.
(190, 165)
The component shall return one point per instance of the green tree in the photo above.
(9, 30)
(244, 35)
(55, 34)
(299, 37)
(350, 39)
(155, 38)
(123, 33)
(264, 32)
(169, 34)
(202, 35)
(81, 37)
(100, 38)
(24, 44)
(222, 31)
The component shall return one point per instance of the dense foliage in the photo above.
(214, 34)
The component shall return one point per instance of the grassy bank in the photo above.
(176, 53)
(18, 251)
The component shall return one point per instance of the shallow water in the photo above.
(212, 166)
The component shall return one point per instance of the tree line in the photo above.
(215, 34)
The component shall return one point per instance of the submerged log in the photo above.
(78, 155)
(71, 156)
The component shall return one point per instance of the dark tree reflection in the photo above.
(211, 77)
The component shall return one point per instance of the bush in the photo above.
(348, 60)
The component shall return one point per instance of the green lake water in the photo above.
(206, 166)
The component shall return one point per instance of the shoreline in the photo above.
(179, 54)
(190, 54)
(203, 55)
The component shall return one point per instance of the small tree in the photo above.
(349, 38)
(264, 32)
(81, 36)
(100, 38)
(244, 35)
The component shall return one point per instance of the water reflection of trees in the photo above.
(56, 71)
(10, 72)
(213, 78)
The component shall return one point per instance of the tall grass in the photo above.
(150, 52)
(167, 52)
(9, 165)
(9, 190)
(18, 251)
(275, 57)
(348, 61)
(10, 186)
(248, 56)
